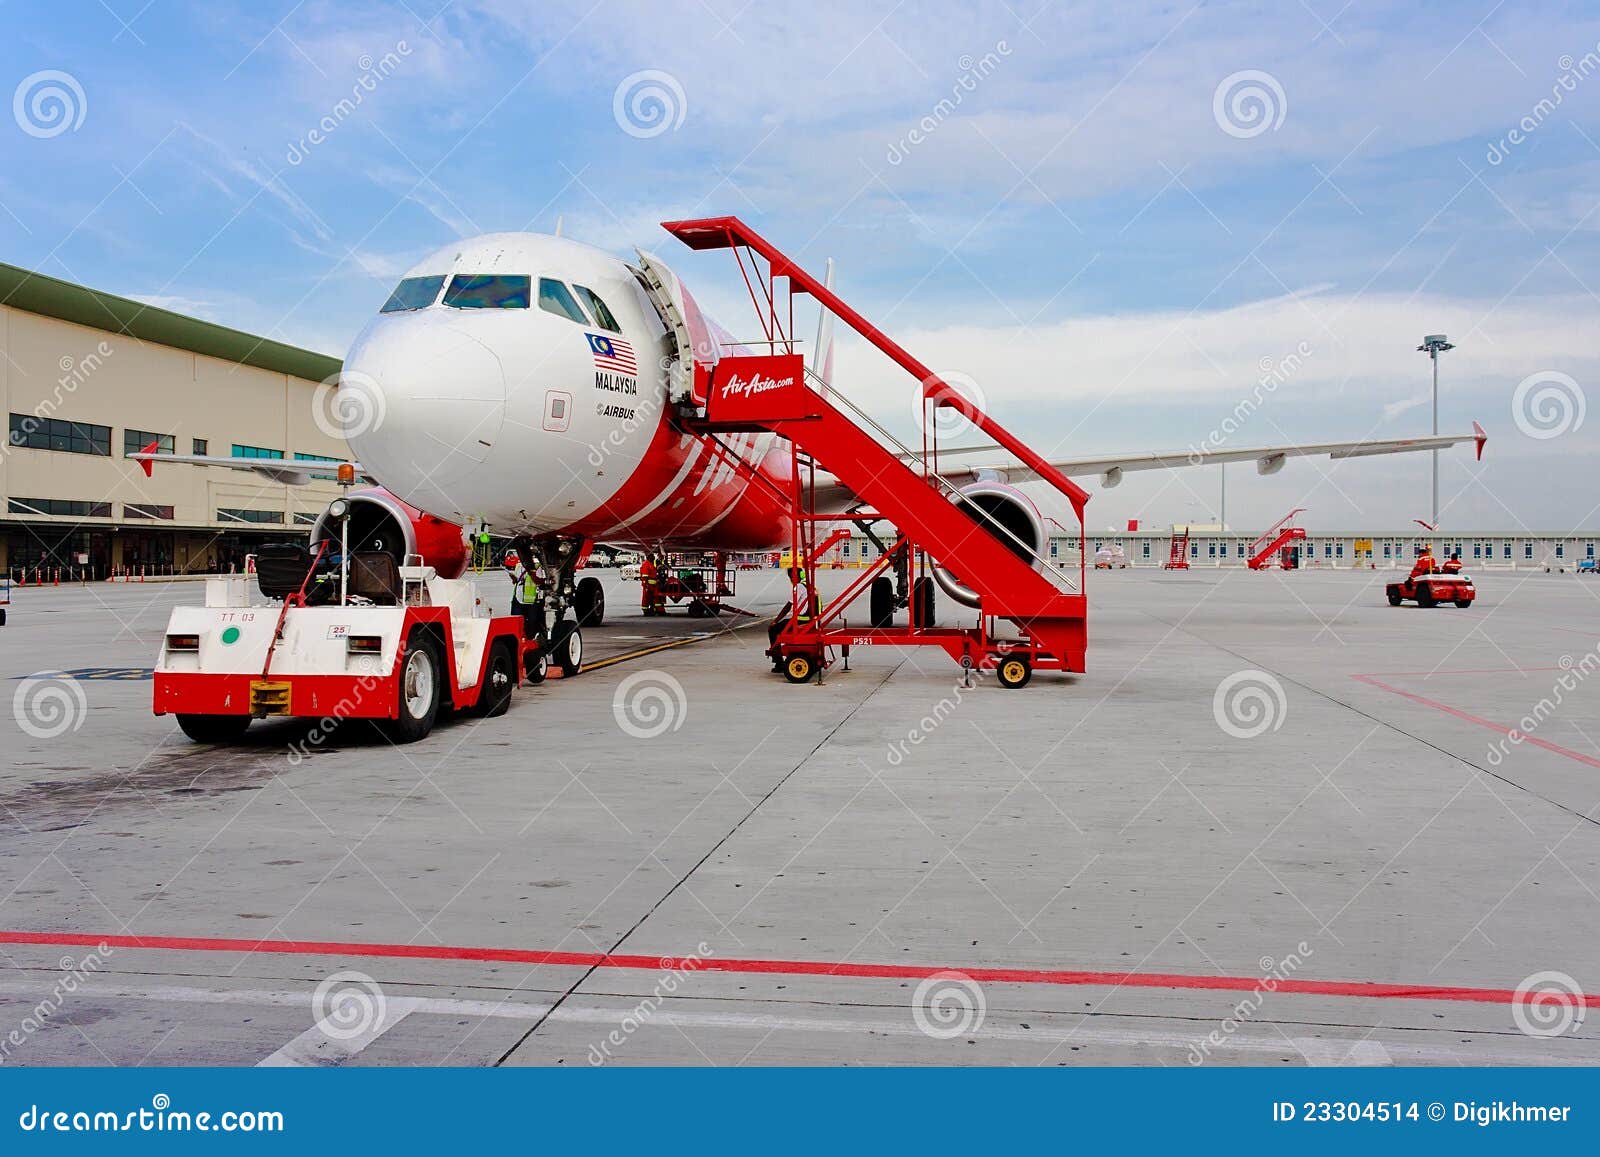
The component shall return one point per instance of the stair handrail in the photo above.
(831, 393)
(1255, 547)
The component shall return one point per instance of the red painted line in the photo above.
(1459, 671)
(1524, 737)
(1341, 988)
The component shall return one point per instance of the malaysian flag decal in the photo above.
(612, 354)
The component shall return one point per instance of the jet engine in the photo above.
(1009, 515)
(380, 521)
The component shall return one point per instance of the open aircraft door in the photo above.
(696, 350)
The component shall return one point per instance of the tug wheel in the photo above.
(499, 681)
(1463, 603)
(1014, 671)
(1424, 597)
(1394, 600)
(799, 668)
(421, 678)
(214, 728)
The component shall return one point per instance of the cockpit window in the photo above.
(488, 291)
(597, 307)
(556, 298)
(413, 293)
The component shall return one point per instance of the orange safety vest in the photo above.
(1423, 565)
(1452, 566)
(647, 572)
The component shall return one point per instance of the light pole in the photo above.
(1433, 345)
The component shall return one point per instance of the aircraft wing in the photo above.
(834, 496)
(1268, 459)
(289, 471)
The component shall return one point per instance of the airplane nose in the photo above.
(441, 401)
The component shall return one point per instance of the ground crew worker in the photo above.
(525, 598)
(799, 609)
(1424, 563)
(802, 594)
(1452, 565)
(651, 599)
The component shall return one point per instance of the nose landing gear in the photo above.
(559, 643)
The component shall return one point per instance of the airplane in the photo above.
(533, 386)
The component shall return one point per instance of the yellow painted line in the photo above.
(643, 651)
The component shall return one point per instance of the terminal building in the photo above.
(1379, 548)
(89, 378)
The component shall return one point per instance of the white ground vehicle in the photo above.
(366, 639)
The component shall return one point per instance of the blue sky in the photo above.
(1087, 229)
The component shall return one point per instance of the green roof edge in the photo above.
(51, 297)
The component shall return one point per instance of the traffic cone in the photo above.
(57, 581)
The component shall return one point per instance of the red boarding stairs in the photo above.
(1178, 551)
(1264, 551)
(889, 482)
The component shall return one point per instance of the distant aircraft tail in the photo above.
(822, 355)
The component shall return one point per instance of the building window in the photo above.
(200, 447)
(299, 457)
(237, 514)
(1508, 550)
(844, 549)
(255, 452)
(305, 517)
(1327, 550)
(1194, 550)
(1339, 550)
(1211, 549)
(1055, 548)
(59, 507)
(145, 510)
(1388, 550)
(1561, 550)
(1590, 551)
(1527, 550)
(1147, 550)
(36, 433)
(134, 442)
